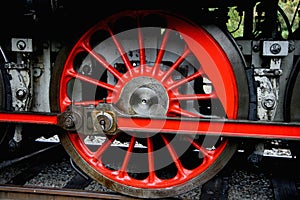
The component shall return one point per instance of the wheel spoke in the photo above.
(177, 110)
(122, 52)
(181, 170)
(122, 170)
(185, 80)
(176, 64)
(97, 155)
(151, 176)
(161, 52)
(94, 82)
(142, 51)
(207, 154)
(84, 45)
(66, 101)
(104, 63)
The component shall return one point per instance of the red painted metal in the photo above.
(142, 126)
(228, 128)
(28, 117)
(214, 65)
(152, 180)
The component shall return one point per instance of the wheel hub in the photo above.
(144, 96)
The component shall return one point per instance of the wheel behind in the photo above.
(7, 130)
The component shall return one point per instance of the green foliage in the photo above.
(235, 22)
(289, 8)
(236, 19)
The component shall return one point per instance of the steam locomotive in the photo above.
(149, 98)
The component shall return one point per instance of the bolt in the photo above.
(21, 93)
(102, 124)
(86, 70)
(268, 103)
(21, 45)
(69, 122)
(277, 72)
(144, 101)
(255, 48)
(275, 48)
(291, 47)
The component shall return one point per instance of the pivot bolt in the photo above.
(104, 122)
(275, 48)
(21, 45)
(269, 102)
(69, 122)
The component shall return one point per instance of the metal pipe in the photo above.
(11, 162)
(3, 55)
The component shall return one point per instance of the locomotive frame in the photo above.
(238, 88)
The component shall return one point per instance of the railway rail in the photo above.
(18, 192)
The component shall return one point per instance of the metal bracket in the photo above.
(90, 120)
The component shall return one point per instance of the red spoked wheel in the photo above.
(151, 63)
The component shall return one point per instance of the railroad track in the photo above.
(23, 177)
(48, 173)
(35, 176)
(18, 192)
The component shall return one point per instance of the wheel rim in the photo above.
(127, 90)
(292, 97)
